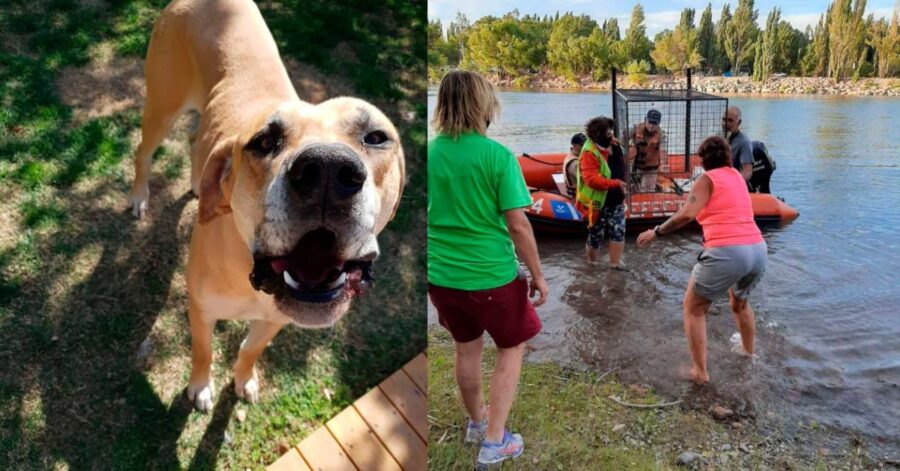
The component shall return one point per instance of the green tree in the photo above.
(605, 54)
(885, 39)
(846, 37)
(721, 37)
(676, 50)
(686, 22)
(636, 45)
(611, 29)
(740, 34)
(789, 48)
(457, 34)
(706, 39)
(815, 60)
(507, 45)
(767, 48)
(566, 46)
(437, 50)
(636, 74)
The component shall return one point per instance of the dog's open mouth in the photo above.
(312, 272)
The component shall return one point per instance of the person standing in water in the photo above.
(600, 193)
(476, 225)
(734, 253)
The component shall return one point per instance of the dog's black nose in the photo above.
(328, 167)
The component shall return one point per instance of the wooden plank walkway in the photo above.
(386, 429)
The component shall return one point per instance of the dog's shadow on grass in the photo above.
(94, 396)
(98, 403)
(77, 349)
(215, 435)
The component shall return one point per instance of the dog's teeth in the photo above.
(338, 282)
(290, 280)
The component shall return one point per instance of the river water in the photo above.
(827, 310)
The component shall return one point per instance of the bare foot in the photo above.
(699, 377)
(737, 346)
(690, 374)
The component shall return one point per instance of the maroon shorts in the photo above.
(505, 313)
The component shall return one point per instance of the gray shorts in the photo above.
(739, 267)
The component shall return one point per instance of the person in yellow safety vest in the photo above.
(601, 187)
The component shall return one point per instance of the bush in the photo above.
(636, 73)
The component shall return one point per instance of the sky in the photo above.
(659, 14)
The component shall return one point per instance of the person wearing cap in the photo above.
(570, 163)
(741, 150)
(646, 151)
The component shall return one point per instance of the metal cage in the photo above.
(688, 118)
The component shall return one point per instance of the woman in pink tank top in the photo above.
(734, 253)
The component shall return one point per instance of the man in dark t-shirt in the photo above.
(741, 151)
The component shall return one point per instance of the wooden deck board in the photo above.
(395, 432)
(409, 400)
(360, 442)
(417, 369)
(290, 461)
(323, 453)
(386, 429)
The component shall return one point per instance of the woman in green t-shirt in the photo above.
(476, 226)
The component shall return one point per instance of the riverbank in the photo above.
(717, 85)
(576, 420)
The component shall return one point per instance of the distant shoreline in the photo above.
(718, 85)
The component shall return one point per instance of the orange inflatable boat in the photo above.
(552, 211)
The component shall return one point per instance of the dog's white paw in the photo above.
(248, 390)
(201, 396)
(137, 200)
(138, 209)
(138, 204)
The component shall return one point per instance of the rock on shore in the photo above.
(722, 85)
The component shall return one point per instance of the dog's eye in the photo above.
(265, 143)
(375, 138)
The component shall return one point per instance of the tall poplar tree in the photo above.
(721, 37)
(741, 34)
(706, 39)
(636, 45)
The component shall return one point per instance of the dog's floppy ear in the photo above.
(215, 190)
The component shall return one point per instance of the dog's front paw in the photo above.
(248, 388)
(201, 396)
(137, 200)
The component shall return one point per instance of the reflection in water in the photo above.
(827, 309)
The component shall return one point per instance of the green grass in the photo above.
(83, 285)
(566, 419)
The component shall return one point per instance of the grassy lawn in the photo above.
(569, 422)
(94, 344)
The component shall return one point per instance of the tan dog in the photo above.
(292, 195)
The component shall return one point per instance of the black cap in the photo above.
(579, 139)
(654, 116)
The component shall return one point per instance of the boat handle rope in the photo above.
(524, 154)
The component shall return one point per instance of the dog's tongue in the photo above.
(312, 260)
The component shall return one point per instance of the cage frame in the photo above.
(687, 95)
